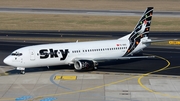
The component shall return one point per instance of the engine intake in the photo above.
(85, 65)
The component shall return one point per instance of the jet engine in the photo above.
(85, 65)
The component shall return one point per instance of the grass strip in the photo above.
(10, 21)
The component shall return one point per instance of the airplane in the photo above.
(84, 55)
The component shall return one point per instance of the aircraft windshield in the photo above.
(16, 54)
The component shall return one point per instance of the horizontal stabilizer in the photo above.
(151, 41)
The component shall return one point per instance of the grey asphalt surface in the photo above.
(87, 12)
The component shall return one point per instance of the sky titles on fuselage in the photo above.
(50, 53)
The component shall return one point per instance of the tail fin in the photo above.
(143, 26)
(140, 31)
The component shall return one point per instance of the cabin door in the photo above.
(32, 54)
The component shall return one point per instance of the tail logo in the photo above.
(141, 30)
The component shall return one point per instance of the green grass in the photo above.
(80, 22)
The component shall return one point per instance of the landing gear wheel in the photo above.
(22, 71)
(95, 68)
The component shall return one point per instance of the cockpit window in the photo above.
(16, 54)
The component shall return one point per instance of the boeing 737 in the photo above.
(84, 55)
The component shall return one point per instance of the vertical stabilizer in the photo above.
(140, 31)
(143, 26)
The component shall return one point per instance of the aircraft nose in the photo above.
(6, 60)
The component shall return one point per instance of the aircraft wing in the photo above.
(123, 58)
(102, 59)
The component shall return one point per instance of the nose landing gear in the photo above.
(22, 70)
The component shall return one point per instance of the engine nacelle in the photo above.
(85, 65)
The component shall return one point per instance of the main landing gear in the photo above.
(22, 70)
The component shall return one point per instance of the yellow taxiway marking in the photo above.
(69, 77)
(4, 74)
(174, 42)
(57, 77)
(150, 90)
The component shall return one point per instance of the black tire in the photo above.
(23, 72)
